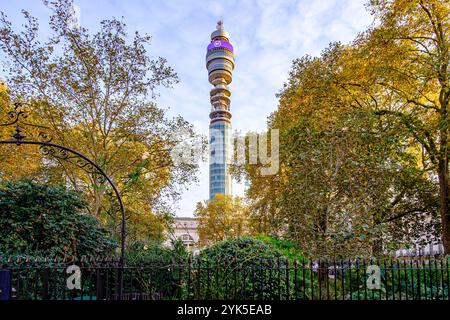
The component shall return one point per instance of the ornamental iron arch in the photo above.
(23, 135)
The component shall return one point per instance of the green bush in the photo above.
(240, 268)
(152, 268)
(288, 248)
(41, 220)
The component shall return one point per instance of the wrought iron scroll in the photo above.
(23, 131)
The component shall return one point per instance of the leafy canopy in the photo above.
(221, 218)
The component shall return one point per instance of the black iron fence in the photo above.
(98, 279)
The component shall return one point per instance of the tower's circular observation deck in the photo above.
(220, 60)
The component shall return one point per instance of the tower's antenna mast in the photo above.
(220, 25)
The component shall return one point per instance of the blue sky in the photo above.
(266, 34)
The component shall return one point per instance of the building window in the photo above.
(187, 241)
(186, 237)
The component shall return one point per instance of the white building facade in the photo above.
(185, 229)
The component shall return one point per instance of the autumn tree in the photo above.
(96, 92)
(349, 182)
(264, 188)
(221, 218)
(364, 136)
(407, 59)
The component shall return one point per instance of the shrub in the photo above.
(288, 248)
(41, 220)
(241, 268)
(153, 268)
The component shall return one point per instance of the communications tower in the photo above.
(220, 65)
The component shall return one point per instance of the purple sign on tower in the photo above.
(220, 44)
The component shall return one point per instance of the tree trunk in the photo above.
(443, 203)
(444, 97)
(377, 247)
(443, 171)
(377, 242)
(321, 228)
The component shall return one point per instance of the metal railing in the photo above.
(412, 278)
